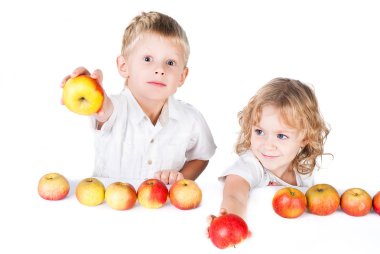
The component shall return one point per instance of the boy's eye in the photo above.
(171, 62)
(148, 58)
(282, 136)
(259, 132)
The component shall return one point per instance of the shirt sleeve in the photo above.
(107, 126)
(247, 167)
(201, 145)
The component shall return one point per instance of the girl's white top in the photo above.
(249, 168)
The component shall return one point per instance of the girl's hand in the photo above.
(168, 176)
(105, 112)
(211, 217)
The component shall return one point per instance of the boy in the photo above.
(144, 132)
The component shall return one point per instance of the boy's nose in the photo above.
(159, 73)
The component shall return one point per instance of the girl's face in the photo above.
(155, 68)
(273, 143)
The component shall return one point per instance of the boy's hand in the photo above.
(168, 176)
(107, 107)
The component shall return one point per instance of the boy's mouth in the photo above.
(156, 83)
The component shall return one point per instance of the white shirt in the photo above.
(249, 168)
(129, 146)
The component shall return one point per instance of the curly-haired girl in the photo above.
(282, 135)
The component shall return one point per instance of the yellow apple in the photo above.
(53, 186)
(120, 196)
(152, 193)
(185, 194)
(90, 192)
(83, 95)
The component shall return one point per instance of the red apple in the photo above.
(90, 192)
(376, 203)
(120, 196)
(185, 194)
(152, 193)
(83, 95)
(356, 202)
(227, 230)
(53, 186)
(289, 202)
(322, 199)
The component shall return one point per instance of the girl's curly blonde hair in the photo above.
(299, 109)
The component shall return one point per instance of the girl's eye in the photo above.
(259, 132)
(171, 62)
(148, 58)
(282, 136)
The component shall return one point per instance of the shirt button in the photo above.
(152, 140)
(149, 162)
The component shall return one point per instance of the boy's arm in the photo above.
(105, 113)
(235, 195)
(192, 169)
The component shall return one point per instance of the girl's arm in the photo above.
(235, 195)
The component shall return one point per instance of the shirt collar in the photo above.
(136, 114)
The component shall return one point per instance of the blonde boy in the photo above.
(144, 132)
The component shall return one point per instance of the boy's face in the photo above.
(273, 143)
(154, 68)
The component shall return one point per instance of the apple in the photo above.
(90, 192)
(289, 202)
(83, 95)
(227, 230)
(376, 203)
(120, 196)
(152, 193)
(356, 202)
(53, 186)
(185, 194)
(322, 199)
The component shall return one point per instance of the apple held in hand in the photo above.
(90, 192)
(289, 202)
(152, 193)
(120, 196)
(53, 186)
(376, 203)
(185, 194)
(227, 230)
(322, 199)
(356, 202)
(83, 95)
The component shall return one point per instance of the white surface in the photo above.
(66, 226)
(236, 47)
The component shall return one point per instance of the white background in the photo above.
(236, 47)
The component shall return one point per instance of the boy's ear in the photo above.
(183, 76)
(122, 66)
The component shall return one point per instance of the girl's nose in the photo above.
(159, 73)
(270, 143)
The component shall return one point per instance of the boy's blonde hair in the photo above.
(299, 109)
(155, 22)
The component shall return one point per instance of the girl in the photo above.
(282, 134)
